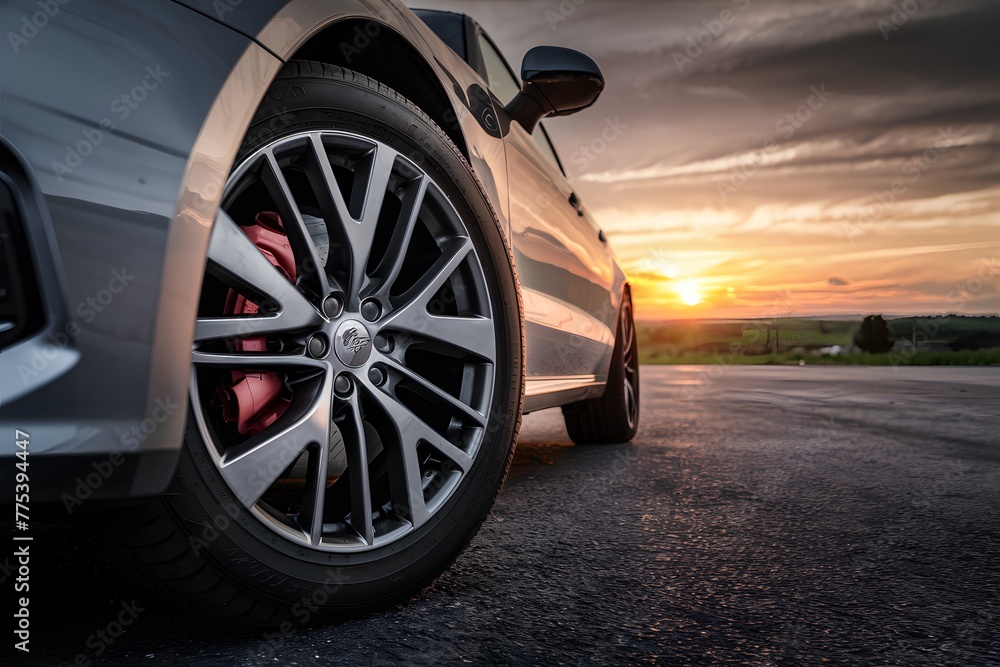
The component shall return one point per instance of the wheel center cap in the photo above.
(353, 344)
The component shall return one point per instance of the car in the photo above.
(280, 279)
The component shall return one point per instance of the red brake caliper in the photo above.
(256, 400)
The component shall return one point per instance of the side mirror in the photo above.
(557, 82)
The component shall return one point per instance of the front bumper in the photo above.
(116, 139)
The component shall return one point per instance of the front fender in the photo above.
(283, 27)
(116, 109)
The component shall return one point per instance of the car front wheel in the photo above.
(357, 365)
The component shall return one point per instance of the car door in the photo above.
(564, 264)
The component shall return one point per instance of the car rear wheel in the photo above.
(614, 417)
(358, 365)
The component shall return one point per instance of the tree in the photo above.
(874, 335)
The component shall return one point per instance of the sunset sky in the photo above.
(784, 158)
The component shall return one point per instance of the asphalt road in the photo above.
(763, 516)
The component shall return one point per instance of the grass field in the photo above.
(957, 341)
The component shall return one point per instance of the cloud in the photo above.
(656, 190)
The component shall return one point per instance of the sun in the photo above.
(689, 292)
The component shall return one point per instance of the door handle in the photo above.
(574, 201)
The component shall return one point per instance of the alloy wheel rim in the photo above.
(384, 341)
(631, 363)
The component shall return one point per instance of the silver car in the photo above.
(279, 280)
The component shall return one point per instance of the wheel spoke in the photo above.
(629, 345)
(324, 183)
(630, 403)
(311, 516)
(375, 184)
(412, 430)
(358, 231)
(404, 473)
(307, 258)
(357, 466)
(474, 335)
(454, 254)
(395, 256)
(212, 328)
(435, 394)
(251, 468)
(255, 361)
(237, 256)
(627, 331)
(405, 480)
(406, 487)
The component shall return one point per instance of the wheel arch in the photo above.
(371, 48)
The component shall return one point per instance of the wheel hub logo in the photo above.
(354, 344)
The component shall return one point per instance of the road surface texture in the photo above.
(764, 515)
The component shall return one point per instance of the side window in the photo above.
(502, 82)
(541, 138)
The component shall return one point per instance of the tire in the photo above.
(204, 543)
(614, 417)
